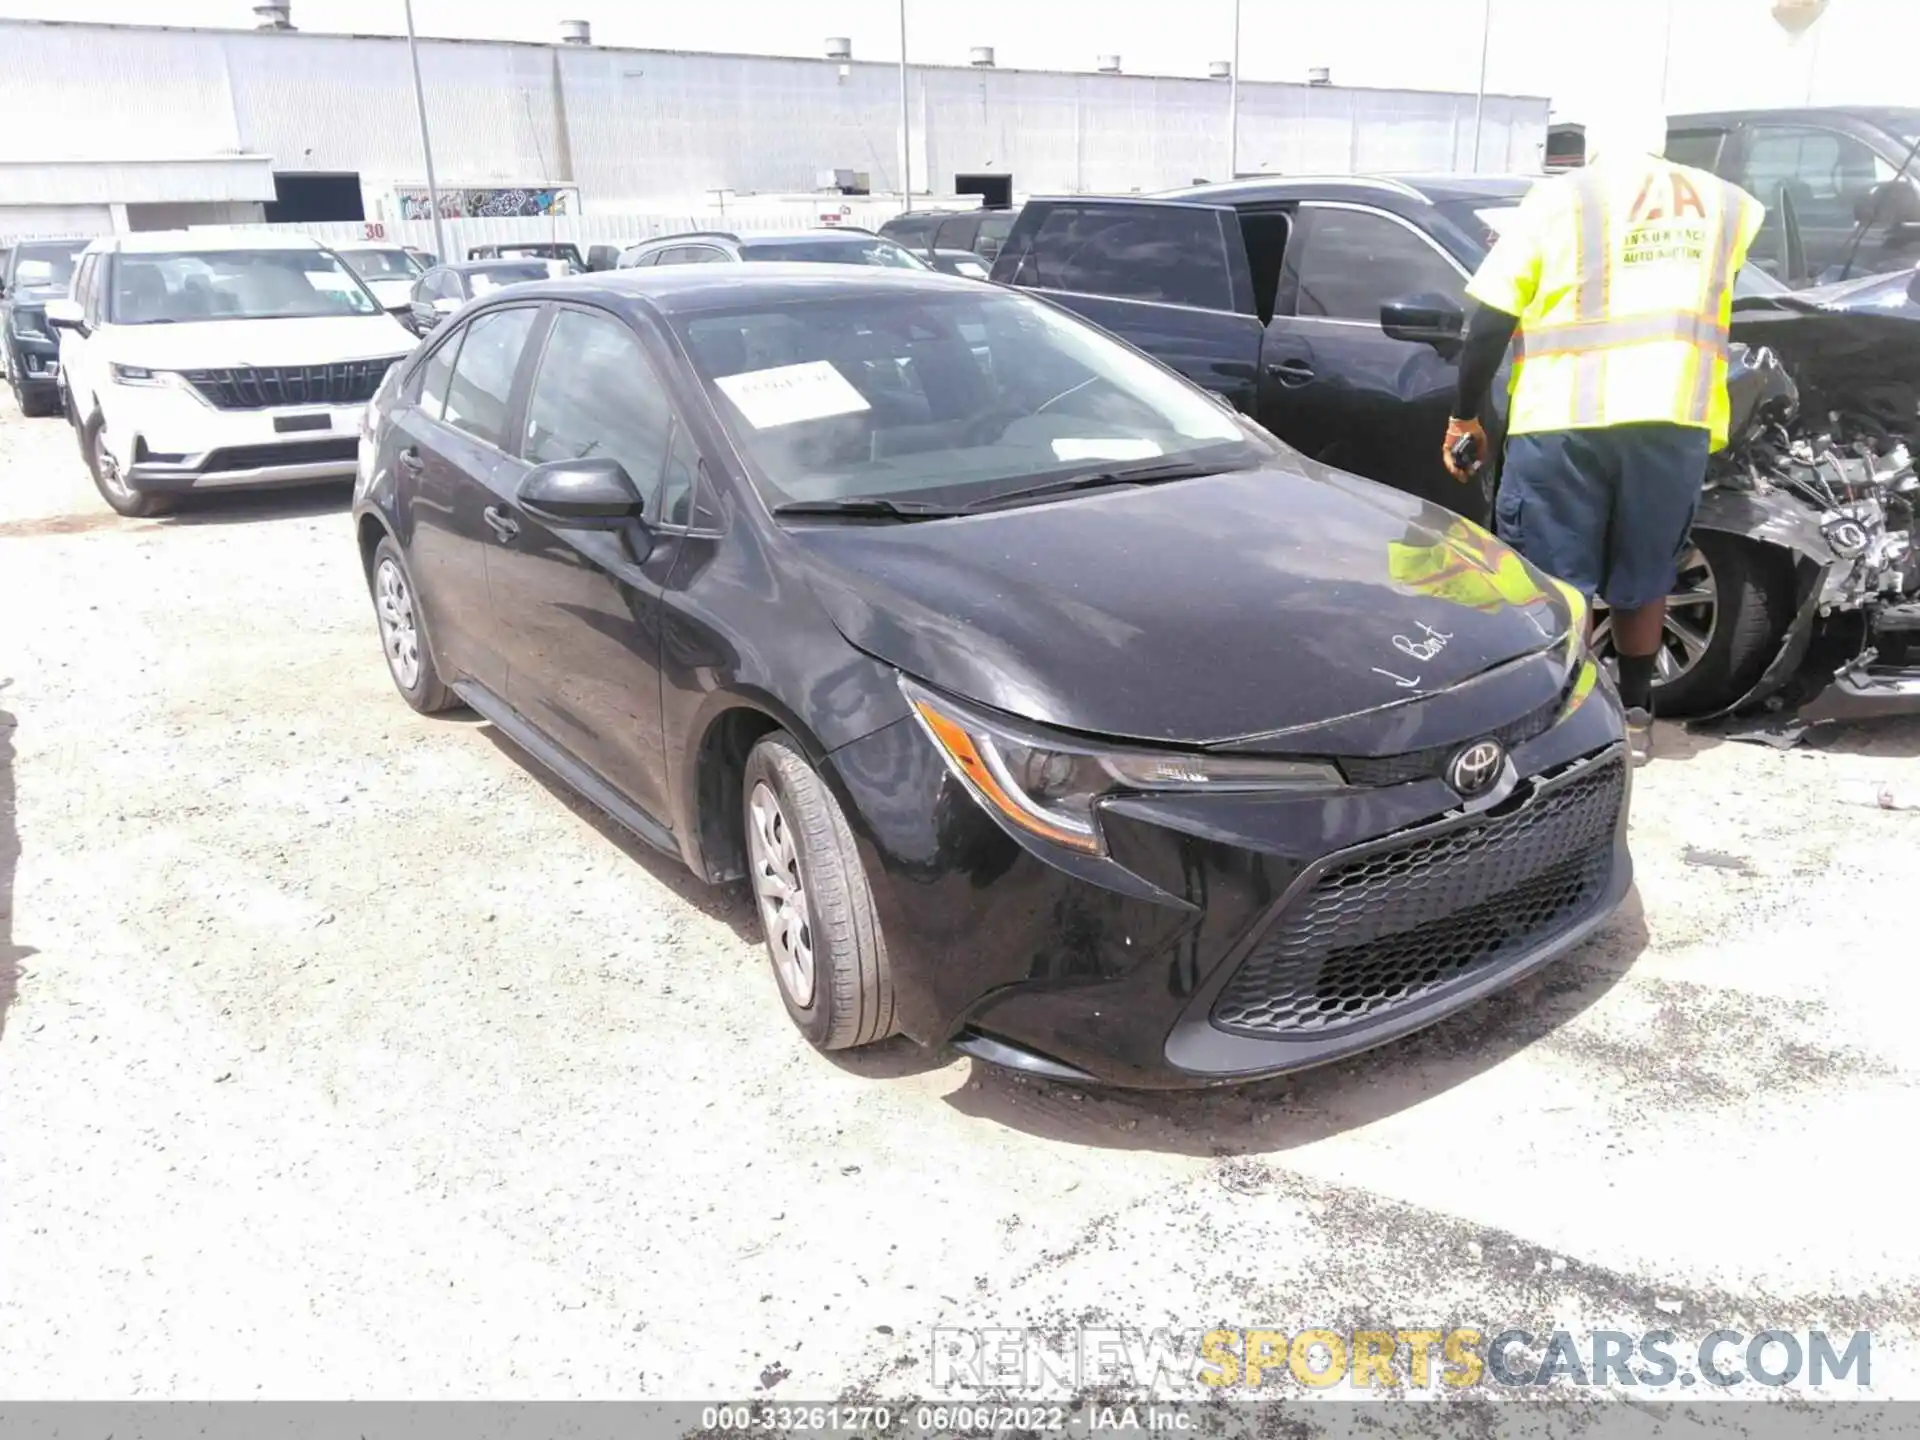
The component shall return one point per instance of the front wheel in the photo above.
(120, 496)
(815, 905)
(1727, 616)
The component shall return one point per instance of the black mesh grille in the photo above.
(1386, 928)
(298, 452)
(258, 387)
(1430, 763)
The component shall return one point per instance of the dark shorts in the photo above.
(1607, 510)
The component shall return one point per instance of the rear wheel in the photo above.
(108, 480)
(1727, 615)
(815, 905)
(396, 606)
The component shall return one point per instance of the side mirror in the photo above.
(65, 314)
(590, 494)
(1427, 319)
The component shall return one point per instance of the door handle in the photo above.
(503, 525)
(410, 461)
(1291, 372)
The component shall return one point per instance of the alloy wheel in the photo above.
(781, 892)
(1692, 612)
(399, 630)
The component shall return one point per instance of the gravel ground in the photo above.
(345, 1055)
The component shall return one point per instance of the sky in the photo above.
(1578, 53)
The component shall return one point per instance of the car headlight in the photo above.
(140, 375)
(1051, 785)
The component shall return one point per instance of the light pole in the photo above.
(1233, 101)
(906, 123)
(426, 144)
(1480, 97)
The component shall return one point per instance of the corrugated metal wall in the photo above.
(635, 128)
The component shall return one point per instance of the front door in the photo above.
(579, 608)
(1334, 384)
(447, 445)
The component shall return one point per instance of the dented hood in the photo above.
(1197, 612)
(1850, 347)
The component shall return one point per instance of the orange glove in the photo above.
(1456, 431)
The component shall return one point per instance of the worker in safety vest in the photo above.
(1618, 279)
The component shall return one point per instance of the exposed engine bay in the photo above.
(1825, 392)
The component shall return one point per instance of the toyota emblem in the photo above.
(1475, 768)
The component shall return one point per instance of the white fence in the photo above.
(585, 230)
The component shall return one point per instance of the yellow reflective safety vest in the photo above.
(1466, 566)
(1621, 275)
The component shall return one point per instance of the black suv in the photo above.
(926, 232)
(1836, 170)
(35, 272)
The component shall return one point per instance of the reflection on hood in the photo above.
(1465, 566)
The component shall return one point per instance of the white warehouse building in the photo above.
(160, 127)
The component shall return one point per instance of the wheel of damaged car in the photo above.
(815, 905)
(1727, 615)
(110, 482)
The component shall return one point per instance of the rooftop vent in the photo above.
(983, 57)
(576, 32)
(839, 47)
(274, 15)
(1109, 64)
(1220, 70)
(1319, 75)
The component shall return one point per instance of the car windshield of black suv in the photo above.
(234, 285)
(949, 400)
(833, 252)
(46, 267)
(382, 264)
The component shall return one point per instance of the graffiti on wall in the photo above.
(489, 203)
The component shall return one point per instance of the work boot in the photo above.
(1640, 735)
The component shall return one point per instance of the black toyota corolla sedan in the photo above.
(1051, 709)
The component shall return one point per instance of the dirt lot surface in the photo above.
(343, 1054)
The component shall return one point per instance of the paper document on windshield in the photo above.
(1114, 448)
(789, 394)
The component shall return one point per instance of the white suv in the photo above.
(195, 362)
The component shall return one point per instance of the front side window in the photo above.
(1826, 176)
(596, 394)
(1170, 254)
(1698, 148)
(944, 397)
(957, 233)
(1354, 261)
(477, 399)
(160, 289)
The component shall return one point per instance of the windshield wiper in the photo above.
(1132, 475)
(875, 506)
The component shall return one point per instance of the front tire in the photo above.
(816, 908)
(121, 497)
(403, 635)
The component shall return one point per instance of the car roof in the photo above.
(1885, 115)
(500, 262)
(1430, 189)
(693, 289)
(174, 242)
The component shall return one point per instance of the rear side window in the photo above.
(690, 255)
(913, 231)
(1698, 148)
(1168, 254)
(1356, 260)
(483, 374)
(993, 234)
(597, 394)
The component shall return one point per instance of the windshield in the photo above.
(383, 264)
(47, 267)
(486, 281)
(1752, 280)
(834, 252)
(945, 399)
(234, 285)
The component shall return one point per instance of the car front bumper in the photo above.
(1229, 937)
(171, 441)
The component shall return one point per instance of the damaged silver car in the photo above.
(1802, 581)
